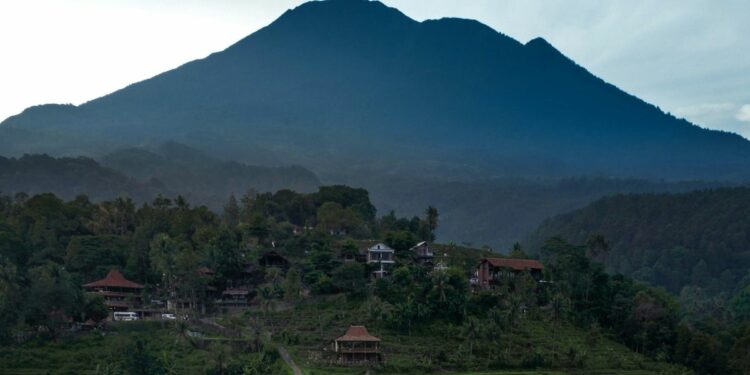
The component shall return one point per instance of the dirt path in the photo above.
(289, 361)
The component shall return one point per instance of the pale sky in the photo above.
(690, 57)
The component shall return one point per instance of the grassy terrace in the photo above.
(437, 347)
(306, 329)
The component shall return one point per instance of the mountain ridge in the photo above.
(335, 80)
(360, 94)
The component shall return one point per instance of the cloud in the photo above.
(743, 114)
(705, 109)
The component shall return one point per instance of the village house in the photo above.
(357, 346)
(382, 258)
(274, 259)
(423, 255)
(235, 297)
(119, 293)
(493, 270)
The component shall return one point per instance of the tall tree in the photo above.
(431, 219)
(231, 212)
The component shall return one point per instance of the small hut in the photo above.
(274, 259)
(357, 346)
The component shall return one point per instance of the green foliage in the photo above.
(51, 297)
(93, 256)
(292, 285)
(350, 278)
(179, 251)
(94, 307)
(671, 240)
(140, 360)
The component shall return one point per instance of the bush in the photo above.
(532, 360)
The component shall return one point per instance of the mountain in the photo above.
(500, 212)
(442, 112)
(353, 86)
(143, 173)
(202, 178)
(70, 177)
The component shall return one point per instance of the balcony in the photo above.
(359, 350)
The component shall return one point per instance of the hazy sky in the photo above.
(690, 57)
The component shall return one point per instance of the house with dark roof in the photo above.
(273, 259)
(119, 293)
(357, 346)
(423, 255)
(493, 270)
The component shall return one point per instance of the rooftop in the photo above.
(515, 264)
(114, 279)
(381, 247)
(357, 333)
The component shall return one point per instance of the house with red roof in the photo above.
(494, 270)
(119, 293)
(357, 346)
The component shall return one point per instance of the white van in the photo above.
(168, 316)
(125, 316)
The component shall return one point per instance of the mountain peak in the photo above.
(332, 83)
(539, 42)
(337, 11)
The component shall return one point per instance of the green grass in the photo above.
(83, 352)
(308, 328)
(438, 347)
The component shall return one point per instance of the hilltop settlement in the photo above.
(316, 281)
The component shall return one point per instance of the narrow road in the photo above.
(289, 361)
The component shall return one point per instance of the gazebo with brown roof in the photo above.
(357, 346)
(116, 290)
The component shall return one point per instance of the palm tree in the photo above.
(181, 327)
(431, 219)
(219, 354)
(513, 314)
(559, 306)
(266, 299)
(471, 330)
(168, 364)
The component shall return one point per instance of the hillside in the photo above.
(693, 244)
(348, 88)
(204, 179)
(70, 177)
(142, 174)
(501, 212)
(268, 281)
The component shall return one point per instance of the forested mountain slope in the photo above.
(204, 179)
(694, 244)
(419, 113)
(69, 177)
(141, 174)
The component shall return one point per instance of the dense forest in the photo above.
(500, 212)
(203, 179)
(68, 177)
(50, 247)
(141, 174)
(171, 169)
(693, 244)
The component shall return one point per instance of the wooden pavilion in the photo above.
(119, 293)
(357, 346)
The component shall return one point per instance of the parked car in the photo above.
(168, 316)
(125, 316)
